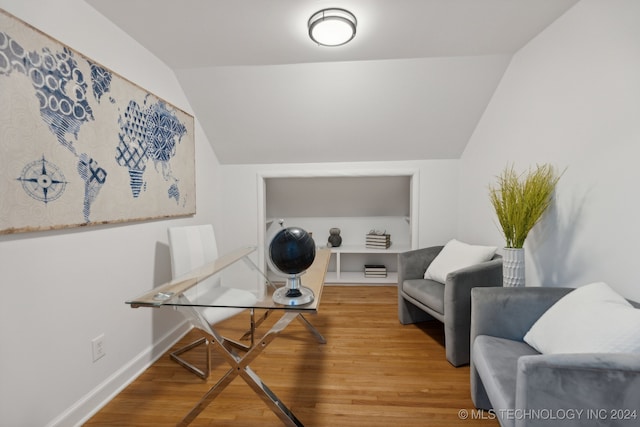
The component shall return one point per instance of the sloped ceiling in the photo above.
(411, 85)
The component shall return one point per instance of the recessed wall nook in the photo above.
(384, 201)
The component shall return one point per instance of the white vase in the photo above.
(513, 267)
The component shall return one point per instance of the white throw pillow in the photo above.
(456, 255)
(591, 319)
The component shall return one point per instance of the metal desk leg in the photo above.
(209, 396)
(269, 397)
(240, 366)
(312, 329)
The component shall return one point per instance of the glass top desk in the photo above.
(195, 289)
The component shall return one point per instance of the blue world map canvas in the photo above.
(81, 145)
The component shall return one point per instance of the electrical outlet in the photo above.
(97, 345)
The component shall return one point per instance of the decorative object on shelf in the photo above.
(291, 252)
(519, 202)
(377, 239)
(335, 239)
(375, 270)
(82, 145)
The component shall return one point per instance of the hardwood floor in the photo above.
(373, 371)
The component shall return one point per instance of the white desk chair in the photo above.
(192, 247)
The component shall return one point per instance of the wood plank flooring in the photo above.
(373, 371)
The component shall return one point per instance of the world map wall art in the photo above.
(81, 145)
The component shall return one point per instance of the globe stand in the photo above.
(293, 293)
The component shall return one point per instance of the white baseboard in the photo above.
(81, 411)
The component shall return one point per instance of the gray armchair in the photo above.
(421, 299)
(525, 388)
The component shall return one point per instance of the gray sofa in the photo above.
(525, 388)
(421, 299)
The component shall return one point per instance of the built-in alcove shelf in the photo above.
(347, 261)
(341, 257)
(354, 204)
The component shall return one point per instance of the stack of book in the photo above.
(375, 270)
(378, 241)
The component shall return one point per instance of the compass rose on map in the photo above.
(42, 180)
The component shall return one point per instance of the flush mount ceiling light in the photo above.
(332, 27)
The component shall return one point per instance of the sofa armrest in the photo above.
(505, 313)
(457, 305)
(510, 312)
(457, 291)
(413, 264)
(605, 387)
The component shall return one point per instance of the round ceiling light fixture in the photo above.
(332, 27)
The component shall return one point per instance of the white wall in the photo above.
(571, 98)
(437, 200)
(60, 289)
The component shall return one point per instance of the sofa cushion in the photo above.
(496, 360)
(428, 292)
(456, 255)
(591, 319)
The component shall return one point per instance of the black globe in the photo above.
(292, 250)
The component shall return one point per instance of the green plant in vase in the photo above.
(519, 201)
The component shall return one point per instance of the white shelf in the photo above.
(349, 276)
(355, 203)
(356, 277)
(359, 249)
(346, 278)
